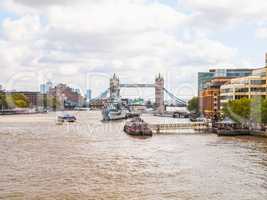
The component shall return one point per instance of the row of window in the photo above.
(252, 82)
(230, 90)
(258, 82)
(226, 98)
(259, 73)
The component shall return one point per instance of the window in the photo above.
(241, 96)
(241, 90)
(227, 90)
(226, 97)
(258, 89)
(258, 82)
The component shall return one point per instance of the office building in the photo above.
(88, 95)
(253, 86)
(204, 77)
(44, 88)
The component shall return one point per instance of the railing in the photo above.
(194, 125)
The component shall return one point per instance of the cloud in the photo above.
(226, 12)
(136, 39)
(34, 3)
(261, 33)
(23, 29)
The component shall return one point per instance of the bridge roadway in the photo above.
(137, 85)
(176, 126)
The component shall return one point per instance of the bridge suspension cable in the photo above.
(102, 95)
(178, 100)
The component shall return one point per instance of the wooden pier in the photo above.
(198, 126)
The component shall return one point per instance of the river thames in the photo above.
(94, 160)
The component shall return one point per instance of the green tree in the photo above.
(3, 102)
(193, 104)
(54, 103)
(20, 103)
(238, 110)
(50, 102)
(17, 100)
(264, 111)
(244, 110)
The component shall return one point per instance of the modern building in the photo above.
(203, 77)
(253, 86)
(44, 88)
(209, 98)
(88, 95)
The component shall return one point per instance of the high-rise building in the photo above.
(44, 88)
(88, 95)
(49, 85)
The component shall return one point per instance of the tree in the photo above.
(20, 103)
(54, 103)
(246, 110)
(193, 105)
(3, 103)
(17, 100)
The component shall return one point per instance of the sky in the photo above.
(83, 42)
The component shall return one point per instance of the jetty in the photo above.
(197, 126)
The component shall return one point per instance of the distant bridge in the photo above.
(160, 90)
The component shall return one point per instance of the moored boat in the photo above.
(137, 127)
(228, 127)
(237, 132)
(66, 118)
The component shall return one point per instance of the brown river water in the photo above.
(94, 160)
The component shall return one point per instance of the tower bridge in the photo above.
(115, 85)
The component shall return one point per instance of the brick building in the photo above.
(209, 99)
(67, 96)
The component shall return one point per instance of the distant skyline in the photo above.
(83, 42)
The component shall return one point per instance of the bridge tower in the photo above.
(114, 87)
(159, 94)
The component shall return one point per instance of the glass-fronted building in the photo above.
(204, 77)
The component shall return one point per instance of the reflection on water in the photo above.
(94, 160)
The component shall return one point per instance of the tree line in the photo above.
(14, 100)
(246, 110)
(18, 100)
